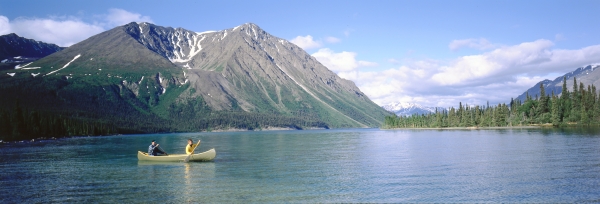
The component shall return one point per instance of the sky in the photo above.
(429, 52)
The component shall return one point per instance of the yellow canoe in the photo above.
(204, 156)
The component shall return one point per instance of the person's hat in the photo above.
(153, 141)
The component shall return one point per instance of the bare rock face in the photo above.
(249, 65)
(239, 71)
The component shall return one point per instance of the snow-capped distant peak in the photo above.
(407, 109)
(400, 105)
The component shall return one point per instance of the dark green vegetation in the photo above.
(579, 107)
(55, 106)
(142, 78)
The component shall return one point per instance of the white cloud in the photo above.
(66, 30)
(494, 76)
(339, 62)
(306, 42)
(118, 17)
(504, 61)
(4, 25)
(480, 44)
(332, 39)
(63, 32)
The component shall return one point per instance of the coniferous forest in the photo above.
(578, 107)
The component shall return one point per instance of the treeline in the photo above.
(579, 107)
(20, 124)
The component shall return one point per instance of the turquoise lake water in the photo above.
(347, 165)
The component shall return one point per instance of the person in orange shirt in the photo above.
(189, 149)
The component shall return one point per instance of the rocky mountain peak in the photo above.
(11, 35)
(183, 76)
(12, 45)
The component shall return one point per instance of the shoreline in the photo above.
(263, 129)
(531, 126)
(472, 128)
(39, 139)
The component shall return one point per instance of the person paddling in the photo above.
(189, 149)
(154, 150)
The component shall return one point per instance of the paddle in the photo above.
(187, 159)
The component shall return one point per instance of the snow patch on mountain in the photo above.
(68, 63)
(19, 66)
(224, 35)
(205, 32)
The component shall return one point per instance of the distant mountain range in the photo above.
(16, 50)
(408, 109)
(141, 77)
(588, 75)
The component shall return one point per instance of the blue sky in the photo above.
(434, 53)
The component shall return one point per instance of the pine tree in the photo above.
(575, 109)
(582, 104)
(438, 118)
(543, 101)
(477, 117)
(555, 111)
(584, 116)
(589, 102)
(597, 109)
(472, 117)
(565, 101)
(593, 99)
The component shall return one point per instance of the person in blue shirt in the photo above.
(154, 150)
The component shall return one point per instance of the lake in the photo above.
(342, 165)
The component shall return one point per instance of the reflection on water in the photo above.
(364, 165)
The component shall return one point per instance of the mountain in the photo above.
(142, 77)
(16, 50)
(408, 109)
(588, 75)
